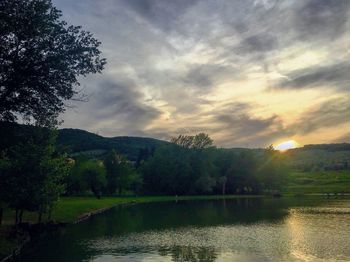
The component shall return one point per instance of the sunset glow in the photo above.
(286, 145)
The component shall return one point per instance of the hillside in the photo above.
(321, 157)
(316, 157)
(78, 140)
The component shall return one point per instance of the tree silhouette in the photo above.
(41, 58)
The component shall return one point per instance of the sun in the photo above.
(290, 144)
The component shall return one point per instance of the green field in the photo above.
(318, 182)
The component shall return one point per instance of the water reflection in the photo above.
(230, 230)
(191, 254)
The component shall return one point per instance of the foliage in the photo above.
(41, 58)
(185, 169)
(94, 176)
(198, 141)
(120, 174)
(32, 173)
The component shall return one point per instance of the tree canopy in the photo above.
(198, 141)
(41, 58)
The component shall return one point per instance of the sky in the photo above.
(249, 73)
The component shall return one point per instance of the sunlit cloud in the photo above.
(249, 73)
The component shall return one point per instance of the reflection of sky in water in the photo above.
(307, 234)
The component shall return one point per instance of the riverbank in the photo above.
(77, 209)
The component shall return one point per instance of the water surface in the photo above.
(287, 229)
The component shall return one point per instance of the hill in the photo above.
(320, 157)
(81, 141)
(316, 157)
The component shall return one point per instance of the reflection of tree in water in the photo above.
(190, 254)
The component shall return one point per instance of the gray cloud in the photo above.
(322, 18)
(258, 43)
(333, 112)
(245, 129)
(117, 107)
(206, 76)
(336, 75)
(161, 13)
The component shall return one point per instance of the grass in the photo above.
(318, 182)
(69, 209)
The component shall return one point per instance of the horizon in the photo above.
(249, 74)
(214, 144)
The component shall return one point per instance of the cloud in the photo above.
(321, 19)
(335, 76)
(326, 76)
(258, 43)
(162, 14)
(342, 139)
(242, 128)
(208, 66)
(333, 112)
(117, 107)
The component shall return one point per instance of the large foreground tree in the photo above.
(41, 58)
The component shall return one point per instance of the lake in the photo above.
(246, 229)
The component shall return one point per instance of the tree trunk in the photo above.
(16, 217)
(224, 188)
(40, 216)
(1, 213)
(20, 215)
(49, 214)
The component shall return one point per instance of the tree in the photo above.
(120, 174)
(111, 163)
(4, 168)
(32, 173)
(95, 176)
(41, 58)
(56, 169)
(199, 141)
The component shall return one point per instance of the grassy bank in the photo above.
(69, 209)
(318, 182)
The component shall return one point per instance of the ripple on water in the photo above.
(307, 234)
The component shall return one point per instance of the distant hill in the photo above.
(80, 141)
(326, 147)
(320, 157)
(309, 157)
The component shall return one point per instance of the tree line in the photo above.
(189, 165)
(34, 174)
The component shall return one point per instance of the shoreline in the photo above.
(116, 201)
